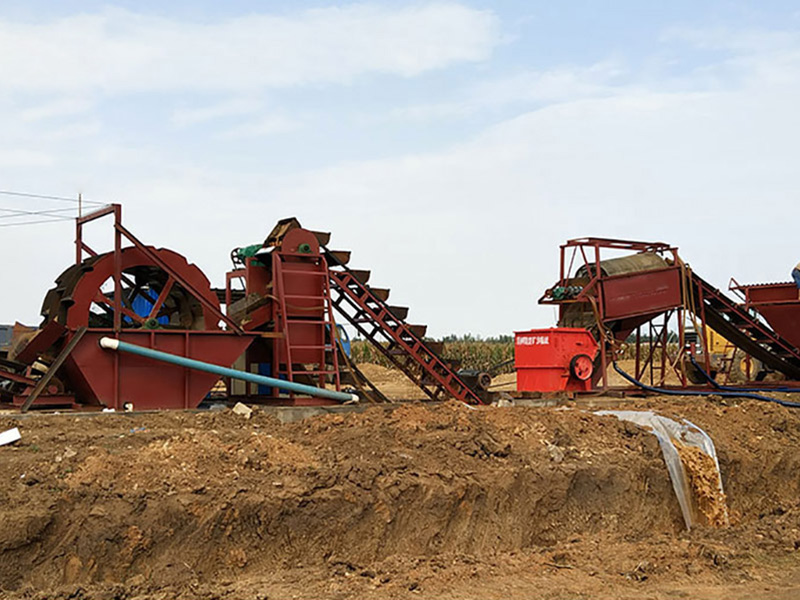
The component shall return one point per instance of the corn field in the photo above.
(480, 355)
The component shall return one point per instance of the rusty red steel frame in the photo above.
(623, 303)
(288, 293)
(652, 286)
(281, 323)
(175, 387)
(777, 302)
(121, 232)
(102, 379)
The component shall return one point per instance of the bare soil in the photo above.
(404, 502)
(393, 383)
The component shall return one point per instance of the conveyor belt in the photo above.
(745, 330)
(384, 326)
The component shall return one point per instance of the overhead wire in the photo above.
(17, 213)
(46, 197)
(53, 215)
(51, 220)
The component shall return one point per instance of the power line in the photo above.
(15, 213)
(51, 220)
(42, 197)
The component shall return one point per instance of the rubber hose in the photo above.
(729, 388)
(656, 390)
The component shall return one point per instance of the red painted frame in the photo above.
(104, 378)
(613, 299)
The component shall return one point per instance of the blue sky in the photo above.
(451, 145)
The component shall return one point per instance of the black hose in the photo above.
(495, 368)
(728, 388)
(721, 394)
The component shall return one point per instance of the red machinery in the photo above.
(779, 305)
(615, 297)
(286, 300)
(554, 360)
(289, 288)
(633, 298)
(280, 323)
(96, 297)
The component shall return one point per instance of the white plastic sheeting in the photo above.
(668, 431)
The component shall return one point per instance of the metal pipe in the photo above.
(114, 344)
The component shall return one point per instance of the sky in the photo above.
(452, 146)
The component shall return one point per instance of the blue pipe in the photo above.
(114, 344)
(664, 392)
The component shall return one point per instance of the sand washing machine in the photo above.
(151, 297)
(282, 301)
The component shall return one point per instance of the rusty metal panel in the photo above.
(145, 383)
(771, 292)
(780, 306)
(784, 320)
(38, 344)
(649, 292)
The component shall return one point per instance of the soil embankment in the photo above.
(446, 500)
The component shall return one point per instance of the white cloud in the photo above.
(25, 158)
(524, 88)
(553, 85)
(85, 128)
(66, 106)
(263, 126)
(765, 57)
(231, 108)
(119, 51)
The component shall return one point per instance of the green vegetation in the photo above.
(471, 351)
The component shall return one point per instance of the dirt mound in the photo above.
(384, 502)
